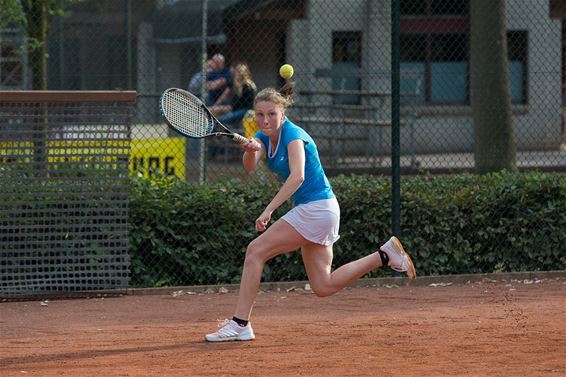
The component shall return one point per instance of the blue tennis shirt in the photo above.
(316, 185)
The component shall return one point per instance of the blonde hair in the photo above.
(243, 77)
(282, 97)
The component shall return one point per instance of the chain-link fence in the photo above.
(341, 52)
(64, 191)
(481, 83)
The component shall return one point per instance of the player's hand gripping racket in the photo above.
(186, 114)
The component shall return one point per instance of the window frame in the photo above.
(430, 25)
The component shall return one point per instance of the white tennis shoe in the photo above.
(230, 330)
(399, 260)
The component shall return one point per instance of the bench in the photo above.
(354, 118)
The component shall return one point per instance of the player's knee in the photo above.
(321, 290)
(254, 253)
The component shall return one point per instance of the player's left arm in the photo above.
(297, 159)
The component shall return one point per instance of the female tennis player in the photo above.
(312, 225)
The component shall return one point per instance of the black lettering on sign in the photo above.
(169, 170)
(152, 164)
(137, 164)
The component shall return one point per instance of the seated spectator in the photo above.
(239, 97)
(219, 79)
(196, 81)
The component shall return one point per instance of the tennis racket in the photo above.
(187, 115)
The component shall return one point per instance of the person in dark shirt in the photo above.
(238, 98)
(218, 79)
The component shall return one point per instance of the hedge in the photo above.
(190, 235)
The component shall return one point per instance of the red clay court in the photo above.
(503, 327)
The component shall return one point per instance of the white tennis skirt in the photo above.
(317, 221)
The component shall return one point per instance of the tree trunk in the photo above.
(37, 14)
(490, 98)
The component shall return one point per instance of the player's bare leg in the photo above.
(277, 239)
(324, 282)
(318, 264)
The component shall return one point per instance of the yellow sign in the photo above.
(148, 156)
(166, 155)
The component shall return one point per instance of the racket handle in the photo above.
(239, 139)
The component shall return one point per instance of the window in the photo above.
(435, 49)
(347, 47)
(517, 46)
(449, 68)
(347, 57)
(440, 61)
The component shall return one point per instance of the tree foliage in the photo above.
(33, 16)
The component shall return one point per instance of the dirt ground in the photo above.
(488, 328)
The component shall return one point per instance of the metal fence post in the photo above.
(395, 119)
(202, 144)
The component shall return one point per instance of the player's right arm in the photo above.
(253, 152)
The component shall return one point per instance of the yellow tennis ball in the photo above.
(286, 71)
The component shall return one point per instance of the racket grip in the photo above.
(239, 139)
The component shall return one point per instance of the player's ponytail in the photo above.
(287, 90)
(282, 97)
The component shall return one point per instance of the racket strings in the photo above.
(187, 115)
